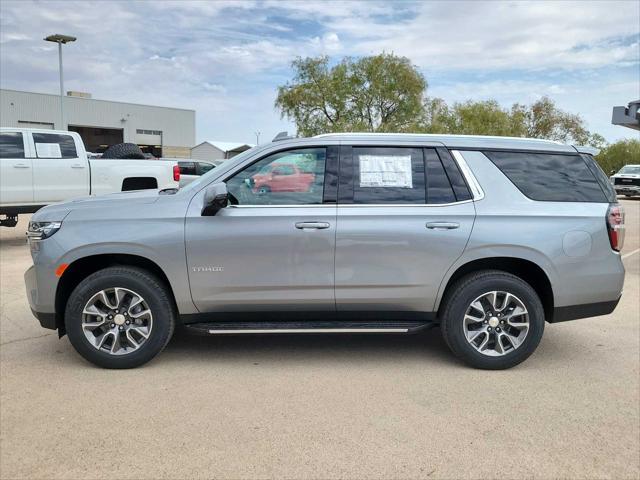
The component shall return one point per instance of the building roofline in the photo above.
(97, 100)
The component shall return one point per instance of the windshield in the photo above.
(630, 170)
(204, 179)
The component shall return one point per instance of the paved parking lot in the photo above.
(320, 406)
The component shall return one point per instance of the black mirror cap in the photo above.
(215, 199)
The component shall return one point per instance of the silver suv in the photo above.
(485, 237)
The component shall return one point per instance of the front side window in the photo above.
(549, 177)
(11, 145)
(388, 175)
(54, 145)
(292, 177)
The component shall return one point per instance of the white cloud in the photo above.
(226, 58)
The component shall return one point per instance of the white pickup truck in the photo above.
(39, 167)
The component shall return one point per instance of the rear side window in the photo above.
(54, 145)
(549, 177)
(438, 187)
(384, 175)
(602, 178)
(11, 145)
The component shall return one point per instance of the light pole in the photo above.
(60, 40)
(257, 137)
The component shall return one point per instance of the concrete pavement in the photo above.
(320, 406)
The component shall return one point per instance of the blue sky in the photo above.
(225, 58)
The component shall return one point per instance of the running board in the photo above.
(233, 328)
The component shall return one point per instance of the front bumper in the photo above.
(46, 318)
(627, 189)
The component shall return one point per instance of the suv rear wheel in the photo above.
(120, 317)
(492, 320)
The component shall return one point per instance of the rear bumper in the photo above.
(574, 312)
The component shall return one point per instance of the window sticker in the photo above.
(390, 171)
(48, 150)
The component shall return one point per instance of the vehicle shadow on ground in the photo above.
(335, 347)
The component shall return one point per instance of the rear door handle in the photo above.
(77, 165)
(442, 225)
(312, 225)
(20, 165)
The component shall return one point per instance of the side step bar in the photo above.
(234, 328)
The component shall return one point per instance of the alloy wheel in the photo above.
(496, 323)
(117, 321)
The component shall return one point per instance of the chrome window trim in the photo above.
(476, 190)
(368, 205)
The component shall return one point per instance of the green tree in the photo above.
(382, 93)
(541, 119)
(618, 154)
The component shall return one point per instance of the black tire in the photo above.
(124, 150)
(464, 292)
(156, 295)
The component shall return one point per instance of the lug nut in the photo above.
(485, 321)
(498, 329)
(110, 316)
(489, 329)
(502, 322)
(124, 313)
(127, 322)
(120, 327)
(113, 325)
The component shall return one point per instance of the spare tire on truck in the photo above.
(124, 150)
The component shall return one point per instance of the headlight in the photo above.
(42, 230)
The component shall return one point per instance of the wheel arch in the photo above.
(84, 266)
(527, 270)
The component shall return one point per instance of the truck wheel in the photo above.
(120, 317)
(124, 150)
(492, 320)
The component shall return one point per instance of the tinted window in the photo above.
(53, 145)
(602, 178)
(293, 177)
(205, 167)
(388, 175)
(187, 168)
(455, 176)
(11, 145)
(438, 186)
(549, 177)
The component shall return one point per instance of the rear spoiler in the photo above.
(585, 149)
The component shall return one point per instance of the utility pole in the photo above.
(257, 137)
(60, 40)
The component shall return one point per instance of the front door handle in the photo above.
(442, 225)
(312, 225)
(77, 165)
(20, 165)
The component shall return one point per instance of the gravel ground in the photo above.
(320, 406)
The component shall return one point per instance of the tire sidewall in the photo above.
(161, 310)
(456, 337)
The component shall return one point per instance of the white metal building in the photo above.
(215, 151)
(162, 131)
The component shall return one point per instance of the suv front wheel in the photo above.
(120, 317)
(492, 320)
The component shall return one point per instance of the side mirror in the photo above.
(612, 172)
(216, 198)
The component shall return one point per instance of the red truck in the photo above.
(282, 177)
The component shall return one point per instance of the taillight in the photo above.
(176, 173)
(615, 226)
